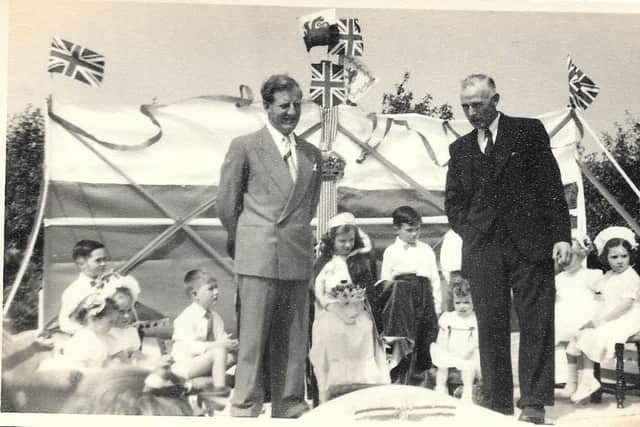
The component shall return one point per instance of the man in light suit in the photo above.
(505, 198)
(269, 190)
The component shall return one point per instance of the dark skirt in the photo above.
(408, 312)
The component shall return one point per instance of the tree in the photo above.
(624, 145)
(25, 153)
(402, 102)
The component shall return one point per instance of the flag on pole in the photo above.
(359, 79)
(349, 41)
(76, 62)
(319, 28)
(327, 84)
(582, 90)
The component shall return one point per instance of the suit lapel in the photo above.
(305, 173)
(503, 145)
(274, 163)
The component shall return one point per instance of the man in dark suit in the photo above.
(269, 190)
(505, 198)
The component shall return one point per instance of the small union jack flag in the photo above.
(327, 84)
(349, 42)
(582, 90)
(75, 61)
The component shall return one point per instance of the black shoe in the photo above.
(532, 414)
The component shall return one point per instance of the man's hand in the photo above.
(562, 253)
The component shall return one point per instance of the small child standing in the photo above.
(575, 288)
(618, 314)
(457, 343)
(345, 349)
(201, 345)
(411, 296)
(91, 259)
(124, 291)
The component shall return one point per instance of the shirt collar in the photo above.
(493, 127)
(277, 138)
(198, 309)
(405, 245)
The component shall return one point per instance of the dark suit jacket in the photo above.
(266, 216)
(529, 196)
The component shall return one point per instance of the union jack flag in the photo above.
(75, 61)
(582, 90)
(349, 42)
(327, 84)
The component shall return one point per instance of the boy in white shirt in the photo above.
(91, 259)
(200, 345)
(411, 296)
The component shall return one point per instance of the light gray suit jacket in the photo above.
(266, 216)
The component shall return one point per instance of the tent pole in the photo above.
(607, 195)
(609, 156)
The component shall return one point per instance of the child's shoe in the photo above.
(585, 389)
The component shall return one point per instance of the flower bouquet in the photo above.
(347, 292)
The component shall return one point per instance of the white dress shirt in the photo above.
(71, 297)
(284, 143)
(190, 332)
(402, 258)
(482, 138)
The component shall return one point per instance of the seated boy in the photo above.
(200, 344)
(411, 297)
(91, 259)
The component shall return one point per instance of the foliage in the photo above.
(25, 152)
(624, 145)
(402, 102)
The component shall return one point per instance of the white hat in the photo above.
(344, 218)
(609, 233)
(116, 281)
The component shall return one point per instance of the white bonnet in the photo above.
(619, 232)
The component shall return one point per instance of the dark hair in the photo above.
(359, 265)
(405, 215)
(83, 248)
(277, 83)
(614, 243)
(459, 287)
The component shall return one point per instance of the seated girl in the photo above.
(616, 318)
(124, 292)
(457, 343)
(91, 346)
(346, 350)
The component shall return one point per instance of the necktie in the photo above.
(489, 148)
(209, 317)
(288, 159)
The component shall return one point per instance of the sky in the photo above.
(172, 51)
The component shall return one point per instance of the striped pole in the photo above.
(328, 204)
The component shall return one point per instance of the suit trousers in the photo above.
(274, 318)
(495, 269)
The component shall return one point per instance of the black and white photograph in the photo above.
(323, 211)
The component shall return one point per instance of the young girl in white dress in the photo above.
(575, 288)
(345, 349)
(457, 343)
(124, 292)
(618, 313)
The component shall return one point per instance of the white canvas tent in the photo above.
(124, 176)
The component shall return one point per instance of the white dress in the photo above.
(85, 349)
(344, 353)
(574, 289)
(462, 334)
(599, 344)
